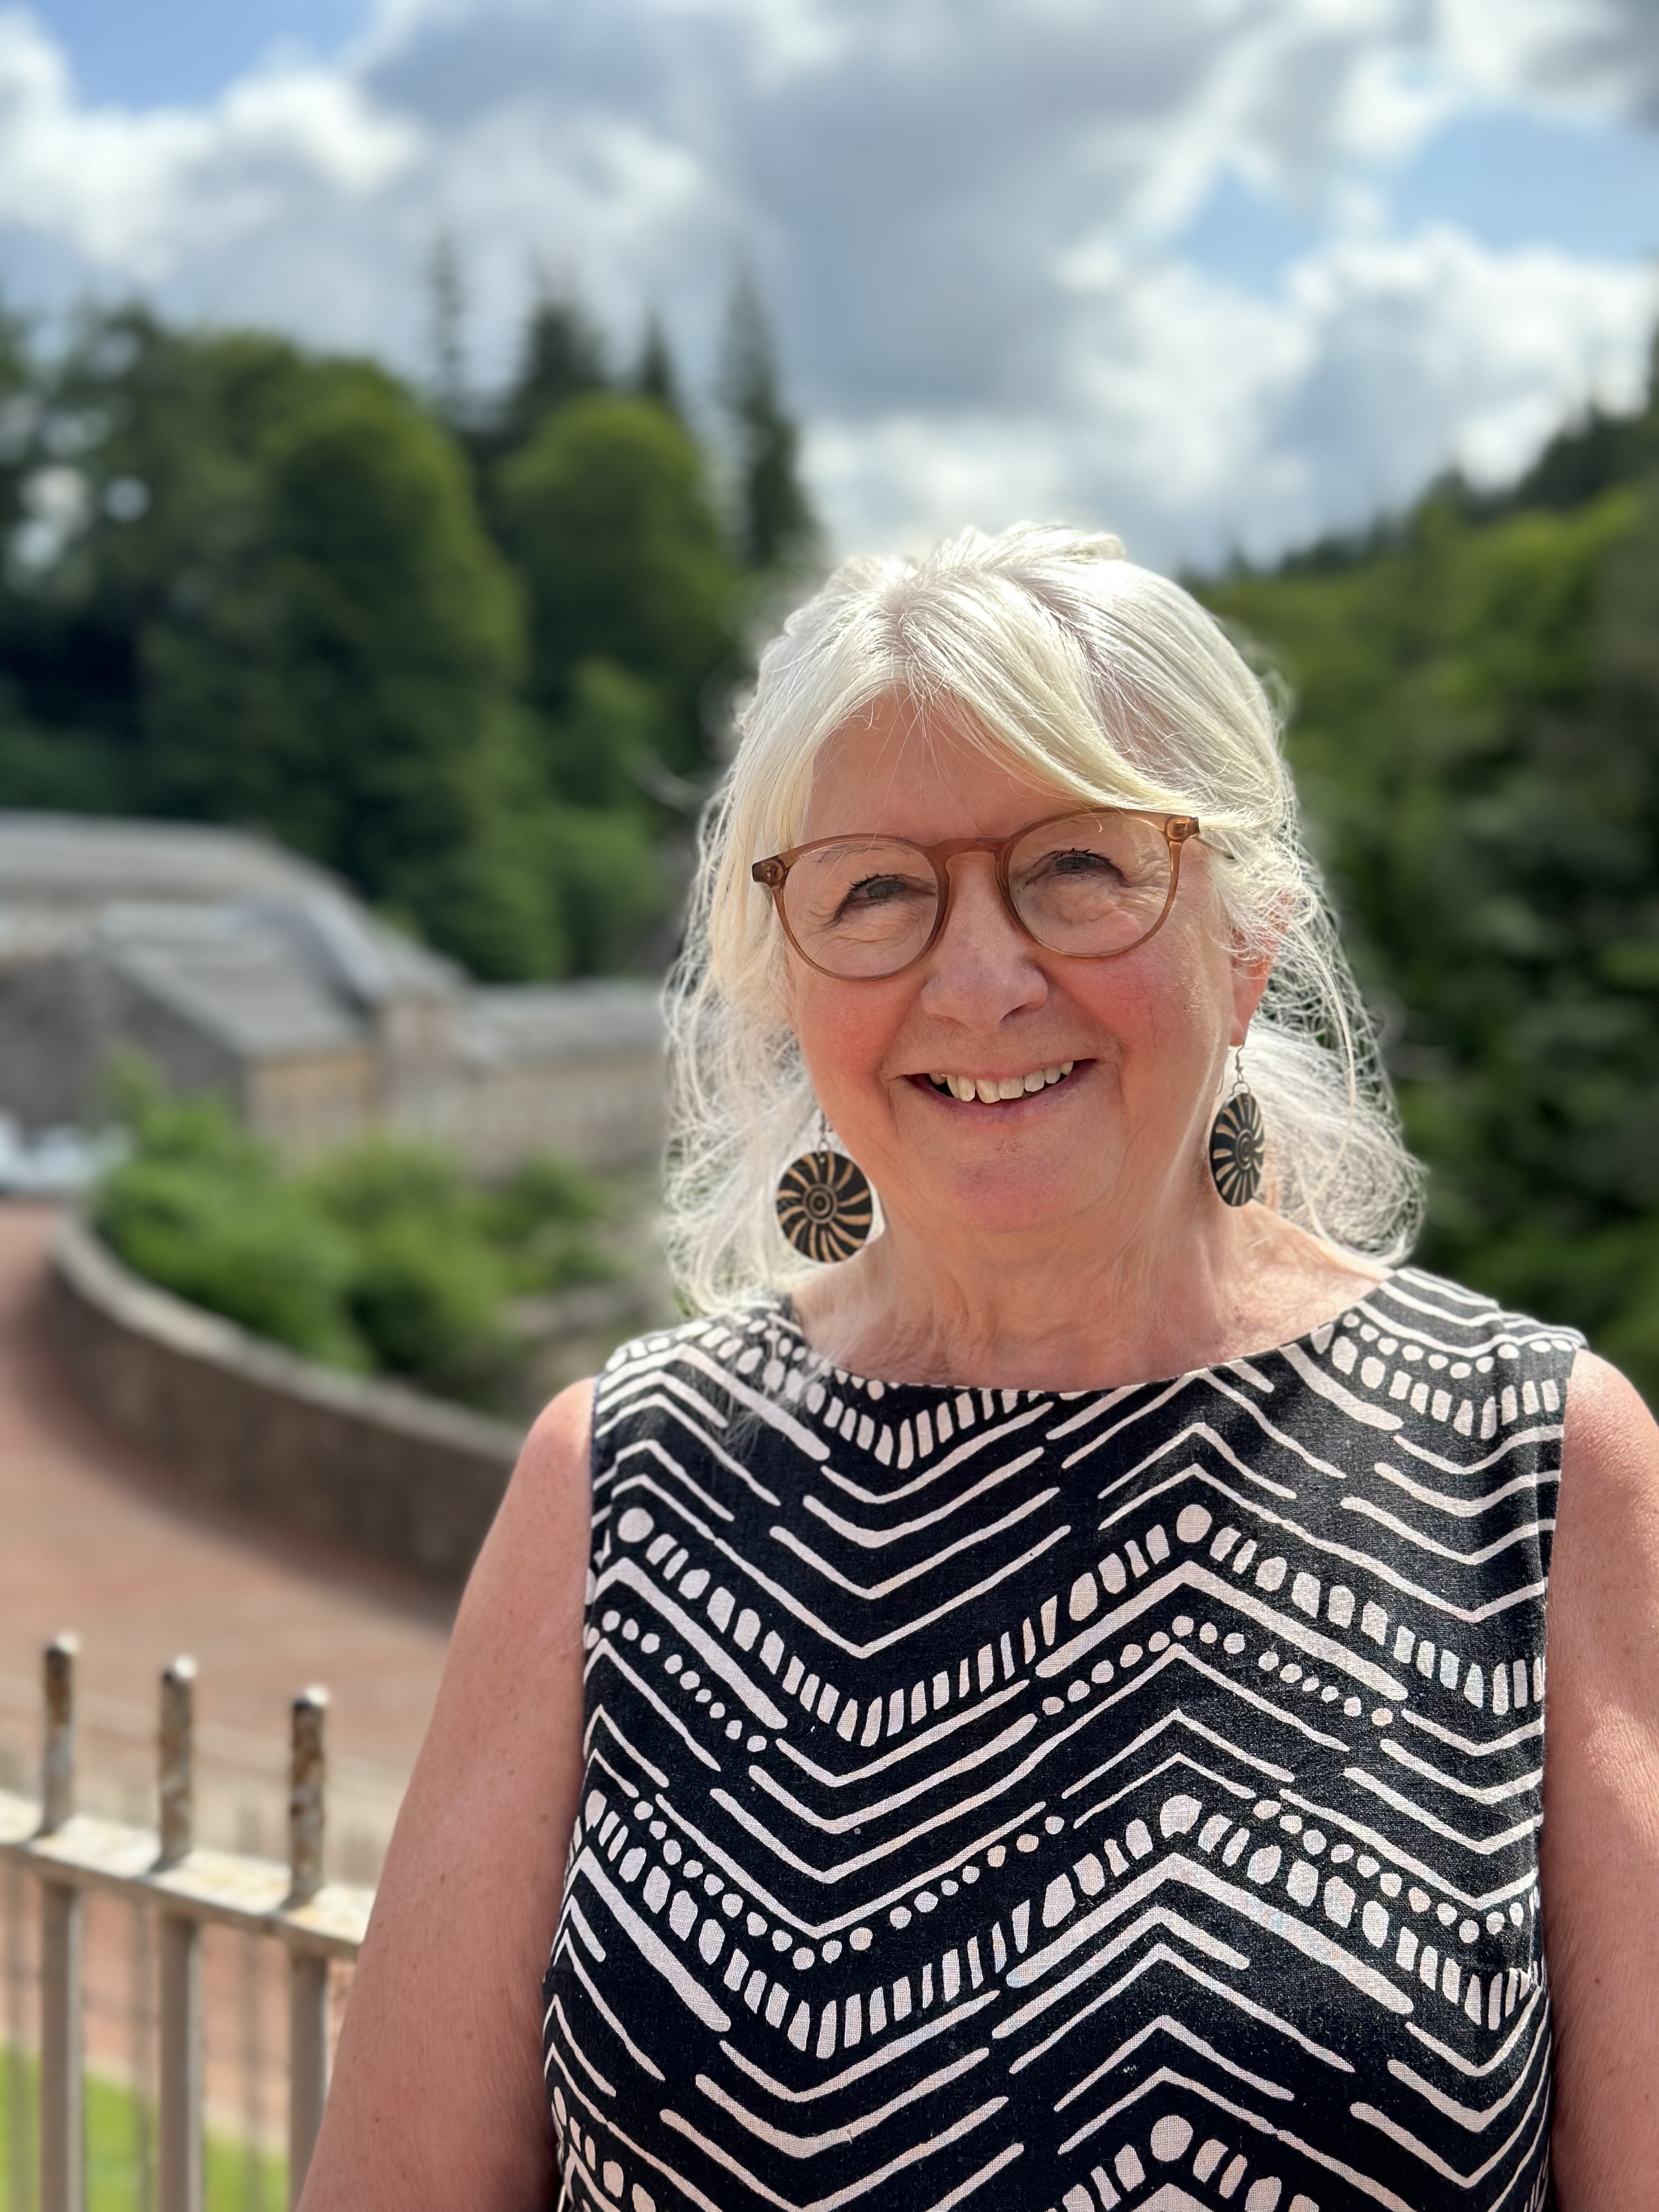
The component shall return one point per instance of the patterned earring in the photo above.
(1239, 1143)
(825, 1205)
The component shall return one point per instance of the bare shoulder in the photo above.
(543, 1523)
(438, 2095)
(1607, 1542)
(1608, 1426)
(1601, 1840)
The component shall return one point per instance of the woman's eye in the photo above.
(877, 890)
(1076, 863)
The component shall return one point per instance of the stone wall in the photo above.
(367, 1463)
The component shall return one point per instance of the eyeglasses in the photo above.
(1089, 885)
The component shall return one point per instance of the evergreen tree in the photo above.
(562, 355)
(447, 291)
(655, 377)
(776, 526)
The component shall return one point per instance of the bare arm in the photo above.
(438, 2099)
(1600, 1849)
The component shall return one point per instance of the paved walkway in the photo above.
(96, 1534)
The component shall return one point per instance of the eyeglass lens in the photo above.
(1090, 886)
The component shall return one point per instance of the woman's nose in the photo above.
(983, 965)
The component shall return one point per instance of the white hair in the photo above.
(1110, 684)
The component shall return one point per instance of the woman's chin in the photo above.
(982, 1203)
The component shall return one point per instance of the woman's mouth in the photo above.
(1000, 1090)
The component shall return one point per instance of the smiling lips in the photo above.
(993, 1089)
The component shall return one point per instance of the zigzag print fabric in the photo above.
(1007, 1798)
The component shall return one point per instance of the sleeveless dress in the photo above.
(1065, 1801)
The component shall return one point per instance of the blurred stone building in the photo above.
(235, 966)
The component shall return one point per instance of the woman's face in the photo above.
(1122, 1137)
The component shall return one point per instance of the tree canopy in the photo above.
(1476, 737)
(459, 650)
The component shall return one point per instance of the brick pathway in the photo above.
(96, 1534)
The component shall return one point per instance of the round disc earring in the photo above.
(824, 1203)
(1239, 1143)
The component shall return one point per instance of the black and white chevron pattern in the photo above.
(1127, 1798)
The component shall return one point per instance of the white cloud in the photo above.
(967, 212)
(1200, 419)
(1589, 57)
(136, 193)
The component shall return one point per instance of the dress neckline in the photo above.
(1307, 1343)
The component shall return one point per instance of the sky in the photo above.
(1220, 274)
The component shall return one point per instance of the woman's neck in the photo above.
(1075, 1310)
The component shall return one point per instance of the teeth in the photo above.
(991, 1091)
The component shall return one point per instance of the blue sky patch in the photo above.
(165, 53)
(1514, 179)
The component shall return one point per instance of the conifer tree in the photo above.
(563, 354)
(776, 526)
(446, 294)
(654, 378)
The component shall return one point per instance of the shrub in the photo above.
(428, 1305)
(385, 1257)
(201, 1211)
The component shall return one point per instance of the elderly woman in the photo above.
(1036, 1696)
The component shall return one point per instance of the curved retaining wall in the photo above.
(364, 1462)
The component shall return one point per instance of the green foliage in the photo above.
(427, 1303)
(655, 375)
(447, 302)
(599, 750)
(607, 513)
(385, 1257)
(245, 583)
(607, 882)
(201, 1210)
(368, 625)
(1477, 739)
(776, 528)
(539, 1218)
(54, 769)
(381, 1180)
(561, 356)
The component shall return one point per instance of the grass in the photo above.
(118, 2126)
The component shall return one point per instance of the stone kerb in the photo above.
(363, 1463)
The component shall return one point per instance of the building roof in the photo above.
(525, 1025)
(82, 861)
(65, 879)
(271, 956)
(231, 972)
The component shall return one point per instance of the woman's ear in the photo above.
(1250, 977)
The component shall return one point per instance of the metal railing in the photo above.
(189, 1887)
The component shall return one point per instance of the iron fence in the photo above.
(177, 1891)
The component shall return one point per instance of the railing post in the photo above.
(307, 1988)
(62, 2145)
(179, 2102)
(21, 2169)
